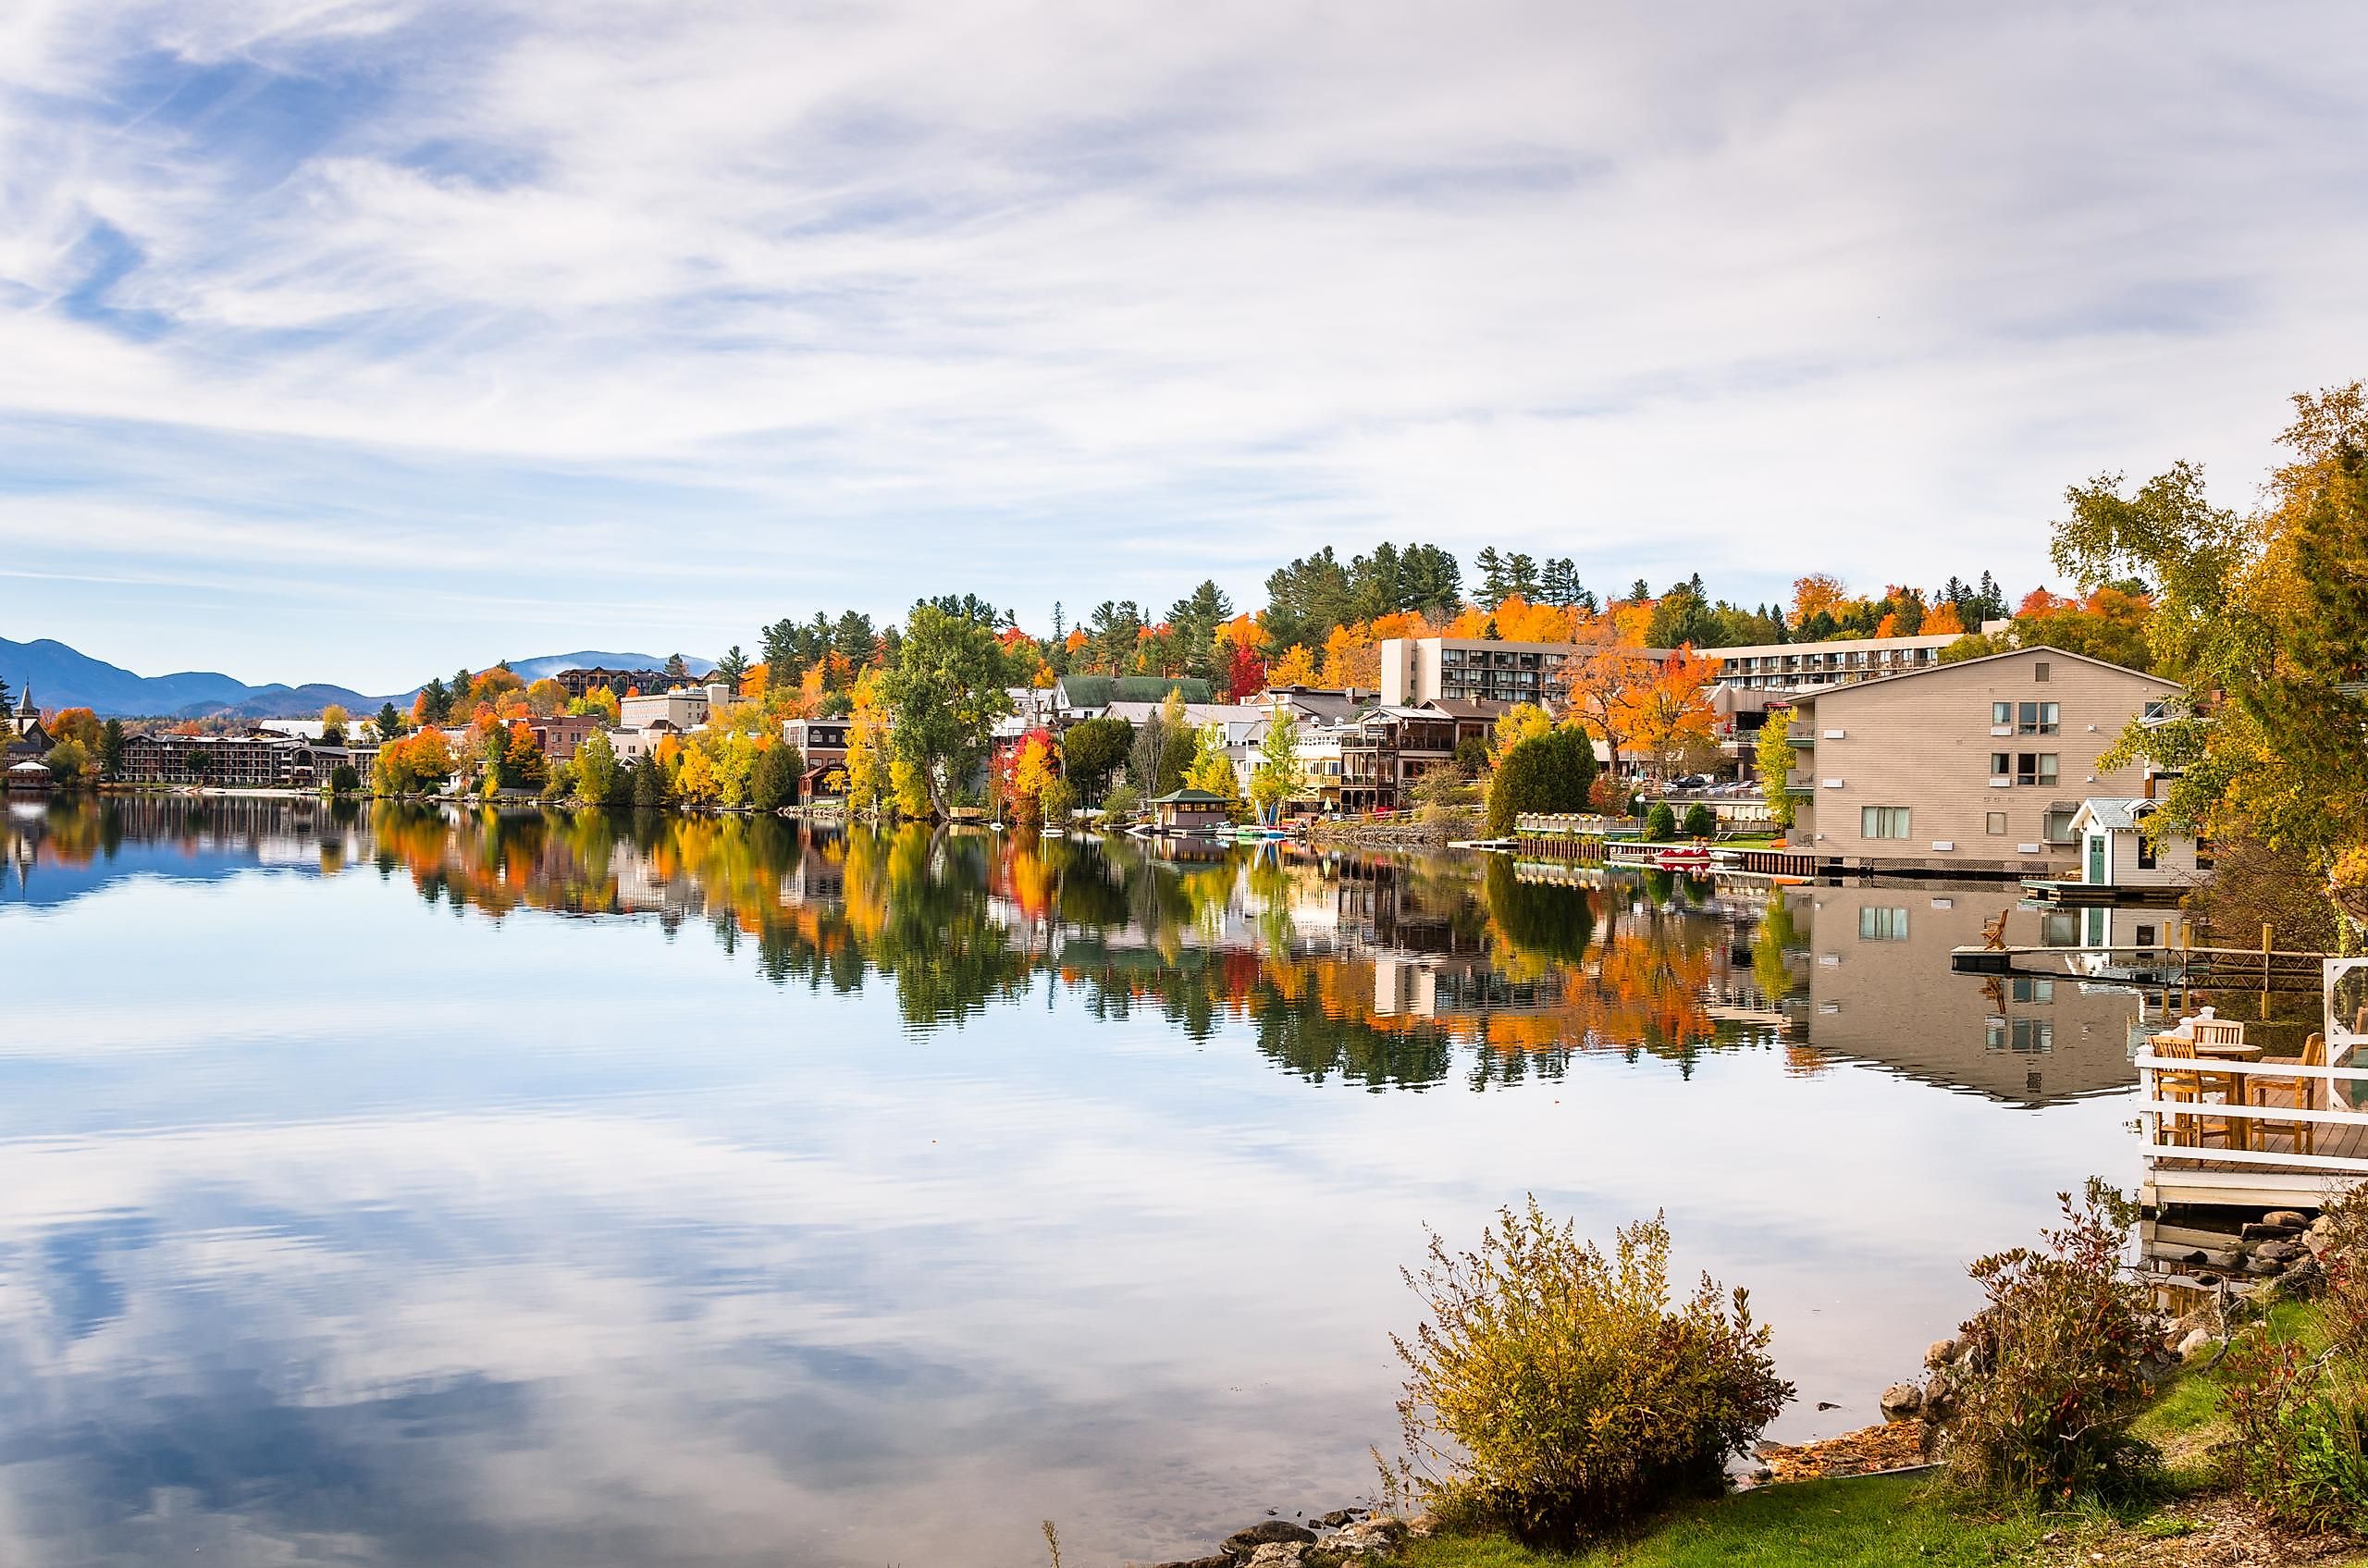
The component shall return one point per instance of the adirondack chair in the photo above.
(1993, 933)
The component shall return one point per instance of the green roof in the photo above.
(1190, 797)
(1101, 691)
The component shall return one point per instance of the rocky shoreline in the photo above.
(1346, 1537)
(2263, 1261)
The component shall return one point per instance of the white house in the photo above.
(2117, 851)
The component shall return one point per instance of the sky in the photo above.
(351, 341)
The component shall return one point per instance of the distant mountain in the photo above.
(62, 677)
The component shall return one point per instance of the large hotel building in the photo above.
(1419, 670)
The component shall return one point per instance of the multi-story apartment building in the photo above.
(1419, 670)
(1983, 762)
(249, 762)
(1803, 666)
(682, 708)
(579, 683)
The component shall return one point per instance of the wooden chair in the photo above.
(1993, 933)
(2189, 1086)
(2219, 1031)
(2302, 1094)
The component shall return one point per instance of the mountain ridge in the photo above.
(63, 677)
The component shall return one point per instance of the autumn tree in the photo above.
(1279, 775)
(333, 722)
(945, 693)
(1092, 752)
(599, 781)
(1603, 668)
(1163, 750)
(1774, 757)
(2265, 618)
(867, 756)
(1663, 713)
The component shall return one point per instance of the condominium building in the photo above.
(684, 708)
(1983, 762)
(1419, 670)
(1800, 666)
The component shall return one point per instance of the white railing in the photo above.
(2168, 1121)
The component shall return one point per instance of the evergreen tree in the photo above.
(733, 668)
(435, 702)
(1494, 583)
(853, 638)
(1639, 591)
(391, 721)
(676, 666)
(1521, 576)
(111, 748)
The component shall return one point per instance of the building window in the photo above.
(2035, 768)
(1995, 824)
(2146, 856)
(2039, 670)
(1882, 925)
(2036, 718)
(2001, 764)
(2145, 936)
(1882, 822)
(2001, 713)
(2033, 988)
(2056, 826)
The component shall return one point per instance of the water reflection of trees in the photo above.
(1372, 971)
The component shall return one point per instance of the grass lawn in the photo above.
(1871, 1524)
(1915, 1519)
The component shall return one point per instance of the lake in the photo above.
(383, 1186)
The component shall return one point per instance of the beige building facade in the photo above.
(1983, 763)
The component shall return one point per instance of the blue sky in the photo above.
(351, 341)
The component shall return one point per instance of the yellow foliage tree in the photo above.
(1295, 668)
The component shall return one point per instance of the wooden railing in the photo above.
(2244, 1126)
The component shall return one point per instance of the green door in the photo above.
(2097, 859)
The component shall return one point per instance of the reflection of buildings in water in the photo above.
(1458, 994)
(1879, 989)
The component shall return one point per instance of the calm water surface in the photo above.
(393, 1188)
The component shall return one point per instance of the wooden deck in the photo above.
(2269, 1133)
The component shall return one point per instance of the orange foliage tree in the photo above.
(1818, 591)
(1670, 708)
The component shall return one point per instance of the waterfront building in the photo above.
(823, 744)
(2118, 849)
(678, 707)
(1982, 763)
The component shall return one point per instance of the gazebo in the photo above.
(1190, 810)
(30, 773)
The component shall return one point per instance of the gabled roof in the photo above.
(1100, 691)
(2117, 813)
(1188, 798)
(1890, 683)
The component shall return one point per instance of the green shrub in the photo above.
(1559, 1393)
(1699, 822)
(1551, 773)
(1661, 823)
(2056, 1367)
(2296, 1433)
(1123, 801)
(344, 780)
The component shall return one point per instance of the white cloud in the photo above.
(1746, 289)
